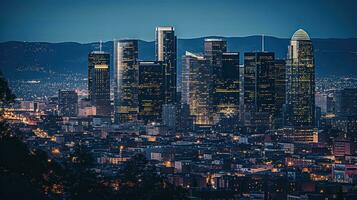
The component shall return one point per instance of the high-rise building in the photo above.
(196, 86)
(259, 90)
(67, 103)
(346, 112)
(226, 92)
(151, 91)
(280, 92)
(214, 49)
(126, 72)
(346, 102)
(213, 53)
(300, 89)
(165, 47)
(99, 82)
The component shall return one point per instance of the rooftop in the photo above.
(165, 28)
(195, 55)
(300, 35)
(214, 39)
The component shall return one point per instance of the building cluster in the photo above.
(244, 131)
(217, 93)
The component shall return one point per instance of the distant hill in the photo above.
(22, 60)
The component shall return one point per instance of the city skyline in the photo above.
(44, 20)
(207, 118)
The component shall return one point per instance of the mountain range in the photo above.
(30, 60)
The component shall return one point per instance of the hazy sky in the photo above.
(93, 20)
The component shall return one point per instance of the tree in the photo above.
(82, 182)
(6, 95)
(138, 180)
(30, 173)
(6, 98)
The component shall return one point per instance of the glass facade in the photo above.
(226, 93)
(300, 89)
(99, 82)
(259, 90)
(151, 91)
(196, 84)
(213, 53)
(280, 92)
(126, 81)
(165, 47)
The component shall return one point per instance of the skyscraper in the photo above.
(213, 53)
(99, 82)
(214, 48)
(300, 89)
(346, 112)
(280, 91)
(196, 84)
(126, 72)
(259, 90)
(68, 103)
(227, 91)
(165, 47)
(346, 102)
(151, 91)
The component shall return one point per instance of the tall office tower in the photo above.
(99, 82)
(68, 103)
(165, 47)
(213, 52)
(300, 89)
(227, 91)
(126, 81)
(196, 83)
(280, 93)
(259, 90)
(151, 91)
(214, 48)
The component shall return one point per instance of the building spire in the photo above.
(262, 42)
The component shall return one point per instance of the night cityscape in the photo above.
(178, 106)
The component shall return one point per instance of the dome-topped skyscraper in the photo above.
(300, 74)
(300, 35)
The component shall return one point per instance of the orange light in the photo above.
(168, 164)
(55, 151)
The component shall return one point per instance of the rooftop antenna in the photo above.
(262, 42)
(100, 45)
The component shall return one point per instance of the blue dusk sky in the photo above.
(94, 20)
